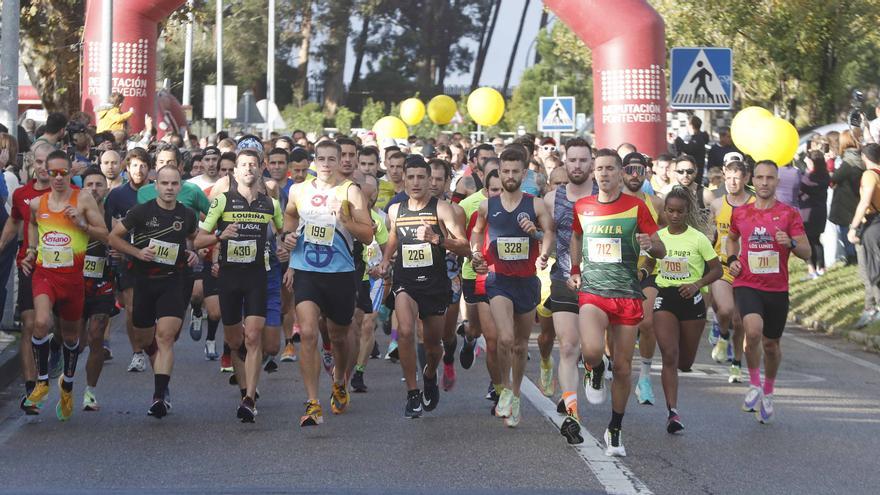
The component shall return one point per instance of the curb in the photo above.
(10, 364)
(868, 342)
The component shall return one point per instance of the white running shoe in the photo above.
(614, 444)
(594, 384)
(138, 362)
(752, 400)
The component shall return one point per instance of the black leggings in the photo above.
(817, 257)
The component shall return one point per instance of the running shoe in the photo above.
(375, 353)
(571, 430)
(233, 380)
(168, 397)
(460, 330)
(466, 354)
(512, 420)
(6, 338)
(736, 374)
(673, 423)
(609, 369)
(295, 334)
(138, 362)
(108, 353)
(247, 410)
(560, 407)
(765, 413)
(211, 350)
(289, 353)
(90, 403)
(226, 363)
(730, 353)
(431, 395)
(313, 416)
(269, 365)
(752, 400)
(594, 385)
(614, 443)
(644, 391)
(195, 326)
(159, 408)
(338, 399)
(37, 395)
(413, 407)
(357, 383)
(327, 359)
(56, 364)
(505, 400)
(546, 381)
(448, 376)
(715, 332)
(719, 352)
(64, 407)
(392, 354)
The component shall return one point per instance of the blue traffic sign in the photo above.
(701, 78)
(556, 114)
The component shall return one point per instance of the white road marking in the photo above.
(614, 476)
(834, 352)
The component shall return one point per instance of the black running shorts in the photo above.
(771, 306)
(155, 298)
(333, 293)
(668, 299)
(243, 293)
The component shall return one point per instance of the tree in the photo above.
(522, 23)
(483, 49)
(335, 19)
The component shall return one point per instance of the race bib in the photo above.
(94, 266)
(417, 255)
(604, 249)
(675, 268)
(57, 257)
(321, 234)
(513, 248)
(241, 251)
(764, 262)
(166, 252)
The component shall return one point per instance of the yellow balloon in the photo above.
(776, 140)
(441, 109)
(485, 106)
(744, 127)
(390, 127)
(412, 111)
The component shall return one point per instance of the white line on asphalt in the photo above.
(834, 352)
(610, 471)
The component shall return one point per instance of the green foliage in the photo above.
(372, 111)
(308, 117)
(344, 118)
(566, 63)
(835, 300)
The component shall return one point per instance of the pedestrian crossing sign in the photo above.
(556, 114)
(701, 78)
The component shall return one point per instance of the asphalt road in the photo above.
(825, 438)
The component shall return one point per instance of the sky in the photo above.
(499, 50)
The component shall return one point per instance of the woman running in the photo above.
(679, 310)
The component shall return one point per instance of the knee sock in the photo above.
(394, 335)
(42, 349)
(768, 385)
(645, 370)
(212, 328)
(755, 377)
(449, 351)
(161, 384)
(616, 420)
(571, 403)
(71, 353)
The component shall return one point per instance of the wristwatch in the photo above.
(793, 244)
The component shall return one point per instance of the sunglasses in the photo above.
(58, 173)
(687, 171)
(548, 147)
(634, 169)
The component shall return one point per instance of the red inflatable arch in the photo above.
(629, 61)
(135, 29)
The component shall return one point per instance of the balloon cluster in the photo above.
(485, 106)
(759, 133)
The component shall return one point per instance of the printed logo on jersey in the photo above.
(177, 226)
(153, 223)
(760, 236)
(56, 239)
(317, 255)
(523, 216)
(319, 200)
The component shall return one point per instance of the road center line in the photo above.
(834, 352)
(614, 476)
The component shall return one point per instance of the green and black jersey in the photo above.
(249, 247)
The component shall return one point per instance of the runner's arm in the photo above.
(575, 251)
(118, 241)
(357, 221)
(291, 215)
(545, 223)
(391, 244)
(477, 234)
(457, 240)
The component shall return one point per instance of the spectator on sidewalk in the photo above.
(814, 197)
(864, 229)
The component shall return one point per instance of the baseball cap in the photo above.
(250, 142)
(732, 156)
(211, 151)
(635, 157)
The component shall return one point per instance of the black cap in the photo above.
(414, 160)
(211, 151)
(635, 157)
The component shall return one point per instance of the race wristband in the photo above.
(731, 259)
(576, 270)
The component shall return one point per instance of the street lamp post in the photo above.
(270, 71)
(219, 92)
(9, 17)
(187, 56)
(106, 51)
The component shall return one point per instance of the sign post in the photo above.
(701, 78)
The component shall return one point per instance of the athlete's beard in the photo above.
(579, 180)
(516, 184)
(629, 186)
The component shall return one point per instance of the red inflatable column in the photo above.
(629, 61)
(135, 28)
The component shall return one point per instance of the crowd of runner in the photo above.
(303, 251)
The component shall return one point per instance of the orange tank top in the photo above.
(62, 244)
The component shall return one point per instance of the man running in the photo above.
(511, 224)
(563, 299)
(239, 220)
(736, 176)
(61, 222)
(761, 237)
(608, 232)
(161, 232)
(324, 217)
(422, 229)
(99, 300)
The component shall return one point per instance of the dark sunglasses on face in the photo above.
(687, 171)
(58, 173)
(634, 169)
